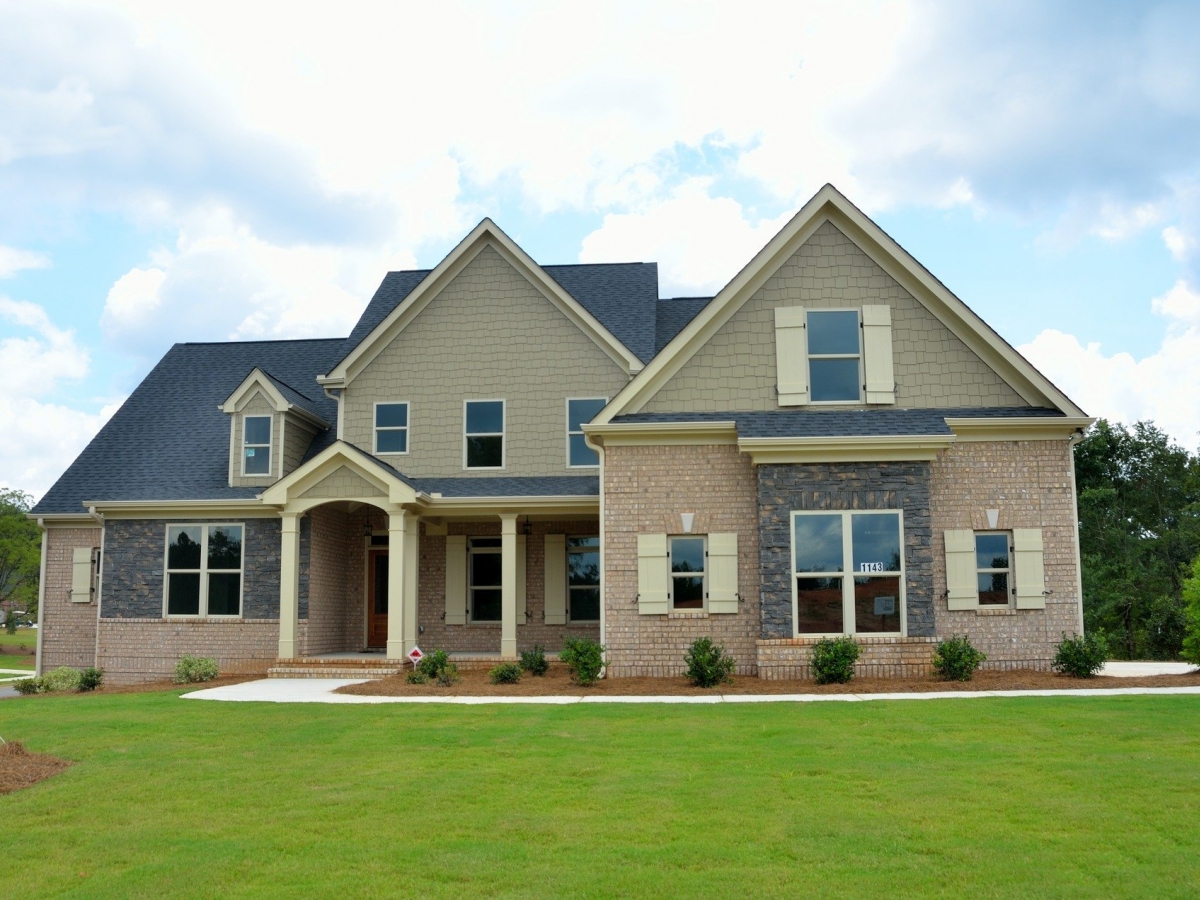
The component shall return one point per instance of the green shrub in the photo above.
(707, 663)
(584, 657)
(534, 661)
(1081, 656)
(431, 664)
(1191, 601)
(194, 669)
(833, 660)
(90, 678)
(448, 675)
(28, 686)
(505, 673)
(64, 678)
(416, 677)
(956, 660)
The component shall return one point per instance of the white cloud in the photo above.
(13, 261)
(1179, 243)
(42, 439)
(32, 366)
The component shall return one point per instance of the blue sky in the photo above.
(239, 171)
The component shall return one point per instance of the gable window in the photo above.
(993, 567)
(256, 445)
(687, 573)
(484, 579)
(391, 427)
(579, 454)
(848, 572)
(204, 570)
(483, 434)
(834, 356)
(583, 578)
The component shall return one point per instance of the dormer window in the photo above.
(256, 441)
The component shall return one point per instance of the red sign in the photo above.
(415, 655)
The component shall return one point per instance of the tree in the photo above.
(1191, 597)
(20, 552)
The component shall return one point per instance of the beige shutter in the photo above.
(1029, 568)
(652, 574)
(791, 356)
(456, 579)
(962, 582)
(81, 575)
(520, 579)
(877, 354)
(555, 567)
(722, 573)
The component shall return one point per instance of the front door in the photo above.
(377, 597)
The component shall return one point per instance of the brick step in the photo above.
(335, 668)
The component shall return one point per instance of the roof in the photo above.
(390, 293)
(621, 295)
(533, 486)
(293, 396)
(672, 317)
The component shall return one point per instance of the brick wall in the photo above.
(135, 650)
(334, 608)
(68, 629)
(646, 488)
(879, 657)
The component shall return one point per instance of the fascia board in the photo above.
(1023, 428)
(302, 413)
(134, 509)
(569, 505)
(256, 379)
(634, 434)
(873, 448)
(62, 520)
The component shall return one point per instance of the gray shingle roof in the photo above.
(534, 486)
(390, 293)
(622, 296)
(673, 316)
(293, 396)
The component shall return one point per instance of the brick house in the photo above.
(504, 454)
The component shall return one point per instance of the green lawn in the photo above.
(965, 798)
(25, 637)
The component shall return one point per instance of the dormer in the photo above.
(271, 426)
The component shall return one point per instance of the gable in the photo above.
(342, 482)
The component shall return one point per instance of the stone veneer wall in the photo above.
(843, 486)
(646, 488)
(1030, 483)
(68, 628)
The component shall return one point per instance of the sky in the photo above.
(234, 171)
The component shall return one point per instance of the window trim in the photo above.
(503, 434)
(809, 356)
(848, 575)
(203, 571)
(567, 547)
(375, 429)
(1011, 592)
(270, 417)
(567, 422)
(671, 576)
(496, 551)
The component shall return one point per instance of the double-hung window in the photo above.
(848, 572)
(484, 571)
(256, 445)
(687, 587)
(579, 454)
(391, 427)
(204, 570)
(834, 356)
(993, 567)
(483, 434)
(583, 579)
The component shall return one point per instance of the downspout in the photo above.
(37, 665)
(1075, 439)
(337, 395)
(99, 517)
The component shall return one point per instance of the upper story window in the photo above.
(204, 570)
(579, 454)
(834, 356)
(256, 445)
(391, 427)
(483, 434)
(993, 568)
(687, 572)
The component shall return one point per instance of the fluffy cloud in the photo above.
(32, 366)
(13, 261)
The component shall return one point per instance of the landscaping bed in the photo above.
(19, 768)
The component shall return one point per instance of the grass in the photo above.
(25, 637)
(984, 798)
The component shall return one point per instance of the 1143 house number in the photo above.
(871, 567)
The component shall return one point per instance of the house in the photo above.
(504, 454)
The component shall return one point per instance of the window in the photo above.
(256, 440)
(993, 567)
(834, 355)
(391, 427)
(204, 570)
(848, 572)
(583, 579)
(483, 430)
(579, 454)
(687, 573)
(484, 579)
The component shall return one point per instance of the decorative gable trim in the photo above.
(289, 492)
(259, 381)
(485, 234)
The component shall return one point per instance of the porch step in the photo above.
(335, 668)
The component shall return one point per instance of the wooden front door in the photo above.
(377, 597)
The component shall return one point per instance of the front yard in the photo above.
(18, 651)
(995, 797)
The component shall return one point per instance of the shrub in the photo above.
(1191, 601)
(505, 673)
(534, 661)
(448, 675)
(584, 657)
(1081, 656)
(10, 622)
(64, 678)
(90, 678)
(28, 686)
(432, 664)
(707, 663)
(956, 660)
(194, 669)
(833, 660)
(415, 677)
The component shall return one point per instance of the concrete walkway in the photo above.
(1146, 669)
(320, 690)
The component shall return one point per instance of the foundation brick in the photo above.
(68, 628)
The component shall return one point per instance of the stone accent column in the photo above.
(289, 586)
(398, 527)
(508, 585)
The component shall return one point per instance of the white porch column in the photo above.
(411, 571)
(289, 587)
(398, 525)
(508, 585)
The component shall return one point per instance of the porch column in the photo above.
(398, 525)
(508, 585)
(411, 572)
(289, 586)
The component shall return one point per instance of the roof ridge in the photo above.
(276, 378)
(261, 341)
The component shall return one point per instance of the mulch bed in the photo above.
(19, 768)
(557, 681)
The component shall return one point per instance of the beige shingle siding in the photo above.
(488, 334)
(342, 483)
(258, 405)
(735, 370)
(297, 437)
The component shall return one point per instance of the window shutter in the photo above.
(456, 579)
(791, 356)
(1029, 569)
(961, 581)
(81, 575)
(520, 579)
(652, 574)
(723, 573)
(555, 567)
(877, 354)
